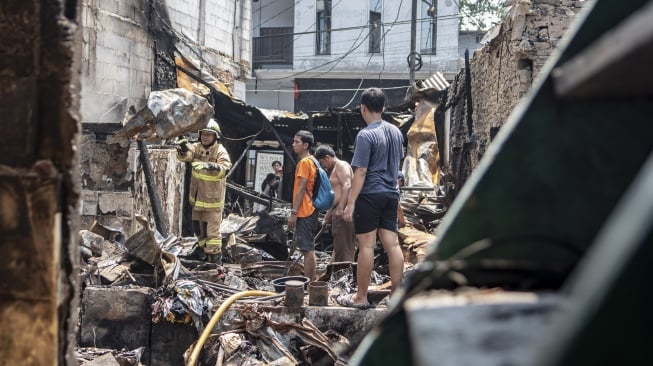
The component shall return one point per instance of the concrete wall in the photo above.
(115, 188)
(116, 60)
(502, 72)
(273, 94)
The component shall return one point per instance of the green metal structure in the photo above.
(553, 202)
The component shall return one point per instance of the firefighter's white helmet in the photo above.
(212, 127)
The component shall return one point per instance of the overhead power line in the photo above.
(321, 90)
(421, 20)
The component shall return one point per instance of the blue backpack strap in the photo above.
(316, 185)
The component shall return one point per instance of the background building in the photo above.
(469, 40)
(302, 48)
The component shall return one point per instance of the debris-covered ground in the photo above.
(182, 289)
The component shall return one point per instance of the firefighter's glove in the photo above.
(182, 146)
(213, 167)
(198, 165)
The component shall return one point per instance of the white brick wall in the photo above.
(117, 60)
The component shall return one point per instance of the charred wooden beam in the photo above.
(155, 201)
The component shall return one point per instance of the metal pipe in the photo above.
(413, 37)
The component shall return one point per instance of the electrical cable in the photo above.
(323, 90)
(243, 138)
(419, 20)
(278, 14)
(338, 59)
(283, 11)
(393, 51)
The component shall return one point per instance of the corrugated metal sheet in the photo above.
(435, 81)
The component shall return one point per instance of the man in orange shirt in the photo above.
(303, 215)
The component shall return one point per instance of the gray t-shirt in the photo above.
(379, 148)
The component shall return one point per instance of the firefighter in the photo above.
(210, 163)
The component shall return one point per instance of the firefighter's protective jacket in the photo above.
(207, 186)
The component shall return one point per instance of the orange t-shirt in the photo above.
(305, 169)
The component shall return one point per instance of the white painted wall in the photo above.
(469, 40)
(352, 45)
(227, 25)
(446, 58)
(272, 13)
(271, 94)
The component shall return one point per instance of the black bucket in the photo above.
(280, 283)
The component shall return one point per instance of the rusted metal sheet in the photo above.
(421, 166)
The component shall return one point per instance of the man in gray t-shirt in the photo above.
(379, 147)
(374, 197)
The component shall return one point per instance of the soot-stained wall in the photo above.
(39, 181)
(500, 74)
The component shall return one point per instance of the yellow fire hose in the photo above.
(209, 327)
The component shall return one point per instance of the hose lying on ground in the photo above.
(214, 319)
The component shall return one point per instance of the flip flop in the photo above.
(345, 300)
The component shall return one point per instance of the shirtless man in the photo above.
(344, 237)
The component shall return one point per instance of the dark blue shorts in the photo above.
(304, 232)
(376, 210)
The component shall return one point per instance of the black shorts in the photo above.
(376, 210)
(304, 231)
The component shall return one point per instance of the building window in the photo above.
(273, 47)
(429, 27)
(323, 31)
(376, 26)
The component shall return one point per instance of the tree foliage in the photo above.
(480, 14)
